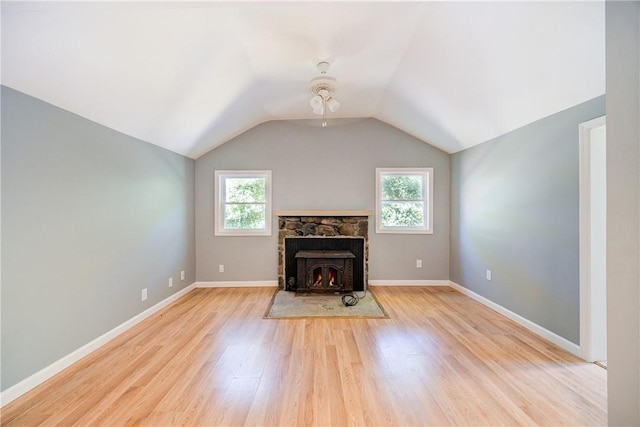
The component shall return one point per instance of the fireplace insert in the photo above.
(324, 263)
(324, 271)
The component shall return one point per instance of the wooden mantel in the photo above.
(324, 213)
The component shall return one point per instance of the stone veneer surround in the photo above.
(321, 224)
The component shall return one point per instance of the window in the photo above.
(404, 200)
(243, 203)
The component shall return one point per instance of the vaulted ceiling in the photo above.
(189, 76)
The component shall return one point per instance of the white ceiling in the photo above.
(190, 76)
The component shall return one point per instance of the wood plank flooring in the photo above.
(210, 359)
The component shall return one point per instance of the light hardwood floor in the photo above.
(211, 359)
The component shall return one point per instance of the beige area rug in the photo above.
(287, 304)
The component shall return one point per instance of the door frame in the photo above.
(587, 350)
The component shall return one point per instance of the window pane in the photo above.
(401, 187)
(245, 190)
(402, 214)
(245, 216)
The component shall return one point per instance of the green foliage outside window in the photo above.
(244, 206)
(401, 201)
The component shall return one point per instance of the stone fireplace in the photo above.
(323, 250)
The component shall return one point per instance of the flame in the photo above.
(332, 277)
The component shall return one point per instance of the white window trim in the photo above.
(220, 177)
(427, 174)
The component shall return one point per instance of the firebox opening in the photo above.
(330, 281)
(325, 277)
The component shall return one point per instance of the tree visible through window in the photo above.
(243, 206)
(404, 200)
(245, 203)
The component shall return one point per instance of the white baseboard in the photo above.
(533, 327)
(44, 374)
(249, 284)
(409, 283)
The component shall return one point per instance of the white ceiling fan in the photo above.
(323, 87)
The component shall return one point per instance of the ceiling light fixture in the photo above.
(323, 88)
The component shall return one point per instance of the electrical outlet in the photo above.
(418, 263)
(221, 268)
(182, 275)
(488, 274)
(170, 281)
(144, 294)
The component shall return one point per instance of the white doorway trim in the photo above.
(592, 303)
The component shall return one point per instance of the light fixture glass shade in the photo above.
(316, 102)
(333, 104)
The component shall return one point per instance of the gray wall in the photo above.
(514, 211)
(623, 211)
(89, 218)
(322, 168)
